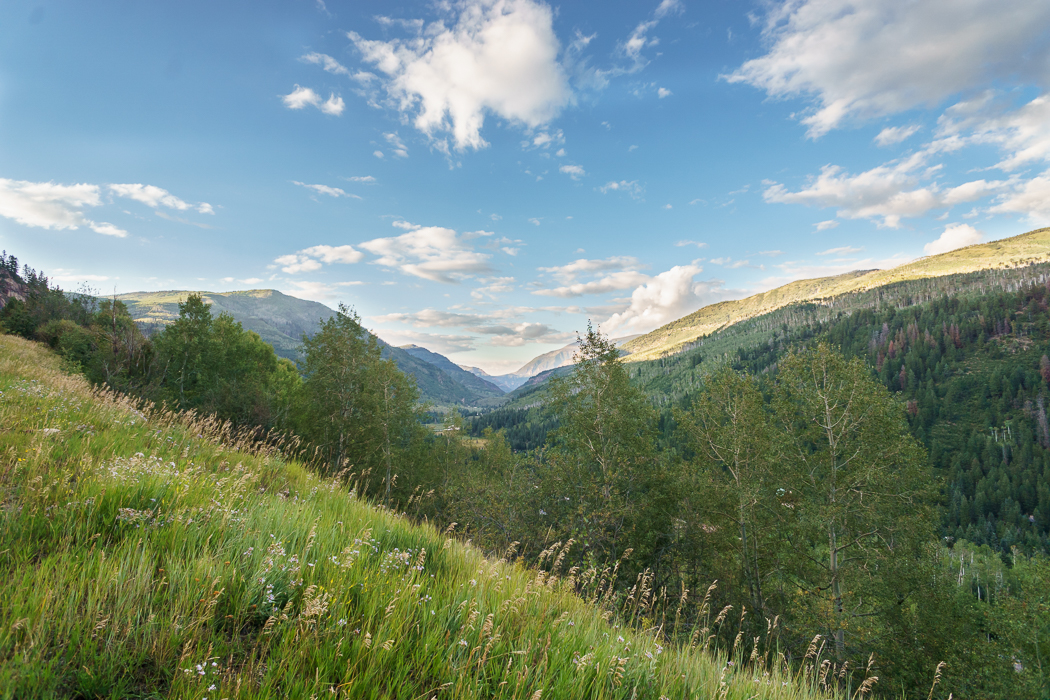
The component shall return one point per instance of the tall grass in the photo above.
(144, 554)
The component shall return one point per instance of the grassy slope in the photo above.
(143, 560)
(1010, 252)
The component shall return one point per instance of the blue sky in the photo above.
(481, 177)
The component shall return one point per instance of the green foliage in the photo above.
(359, 409)
(151, 557)
(213, 366)
(595, 476)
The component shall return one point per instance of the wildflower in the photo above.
(211, 687)
(342, 622)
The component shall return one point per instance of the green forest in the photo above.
(867, 481)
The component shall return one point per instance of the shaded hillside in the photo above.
(435, 385)
(467, 379)
(1026, 249)
(283, 320)
(279, 319)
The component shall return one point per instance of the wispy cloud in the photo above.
(325, 189)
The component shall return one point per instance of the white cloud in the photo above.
(626, 279)
(683, 243)
(664, 92)
(50, 206)
(860, 60)
(302, 97)
(378, 154)
(573, 171)
(333, 105)
(570, 272)
(153, 196)
(666, 297)
(1031, 199)
(325, 189)
(827, 225)
(888, 192)
(491, 56)
(360, 178)
(895, 134)
(435, 342)
(492, 286)
(327, 62)
(843, 250)
(631, 187)
(535, 221)
(954, 236)
(397, 145)
(498, 327)
(431, 252)
(317, 291)
(310, 259)
(1023, 134)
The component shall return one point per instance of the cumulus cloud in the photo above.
(487, 57)
(432, 253)
(954, 236)
(859, 60)
(683, 243)
(573, 171)
(325, 189)
(827, 225)
(888, 192)
(50, 206)
(1022, 134)
(310, 259)
(302, 97)
(663, 92)
(664, 298)
(895, 134)
(1031, 199)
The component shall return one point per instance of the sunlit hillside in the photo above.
(1025, 249)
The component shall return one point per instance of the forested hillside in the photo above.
(1019, 251)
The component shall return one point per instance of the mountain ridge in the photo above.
(1023, 249)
